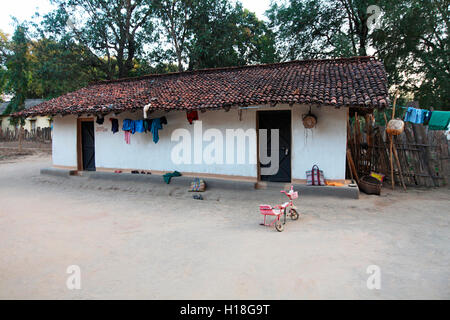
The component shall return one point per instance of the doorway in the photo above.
(86, 145)
(280, 120)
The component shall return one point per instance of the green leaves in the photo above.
(413, 43)
(412, 40)
(17, 73)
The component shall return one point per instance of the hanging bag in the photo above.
(315, 177)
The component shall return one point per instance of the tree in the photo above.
(17, 73)
(3, 55)
(50, 64)
(321, 28)
(256, 42)
(223, 35)
(413, 43)
(112, 32)
(212, 33)
(175, 17)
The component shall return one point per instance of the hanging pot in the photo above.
(309, 120)
(395, 127)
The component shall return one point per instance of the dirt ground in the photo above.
(156, 242)
(9, 149)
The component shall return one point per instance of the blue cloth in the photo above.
(129, 125)
(427, 117)
(414, 115)
(156, 125)
(139, 126)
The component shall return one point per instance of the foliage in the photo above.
(59, 67)
(18, 73)
(213, 33)
(413, 43)
(113, 33)
(321, 28)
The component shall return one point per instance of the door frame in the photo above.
(80, 165)
(257, 141)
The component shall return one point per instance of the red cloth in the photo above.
(191, 116)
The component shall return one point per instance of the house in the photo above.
(251, 120)
(31, 123)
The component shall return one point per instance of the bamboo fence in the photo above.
(43, 135)
(420, 156)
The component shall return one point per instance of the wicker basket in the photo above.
(309, 120)
(370, 185)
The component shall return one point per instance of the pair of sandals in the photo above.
(197, 197)
(142, 172)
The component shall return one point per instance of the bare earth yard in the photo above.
(155, 242)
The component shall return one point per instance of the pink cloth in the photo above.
(127, 137)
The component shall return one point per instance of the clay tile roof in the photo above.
(358, 82)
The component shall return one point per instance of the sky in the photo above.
(25, 9)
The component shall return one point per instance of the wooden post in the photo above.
(20, 137)
(352, 165)
(412, 155)
(390, 154)
(425, 156)
(391, 140)
(400, 173)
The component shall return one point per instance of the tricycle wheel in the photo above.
(294, 214)
(279, 226)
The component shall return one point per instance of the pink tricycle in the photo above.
(279, 210)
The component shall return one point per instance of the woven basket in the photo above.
(370, 185)
(309, 121)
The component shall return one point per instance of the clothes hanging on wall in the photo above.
(127, 137)
(139, 126)
(100, 120)
(128, 125)
(147, 124)
(191, 116)
(439, 120)
(163, 120)
(156, 125)
(114, 125)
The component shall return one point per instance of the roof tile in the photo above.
(350, 82)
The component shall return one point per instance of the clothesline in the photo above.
(436, 120)
(143, 126)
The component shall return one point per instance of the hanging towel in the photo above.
(114, 125)
(163, 120)
(191, 116)
(127, 137)
(414, 115)
(439, 120)
(168, 176)
(128, 125)
(147, 124)
(139, 126)
(100, 119)
(156, 125)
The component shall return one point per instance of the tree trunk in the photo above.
(20, 137)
